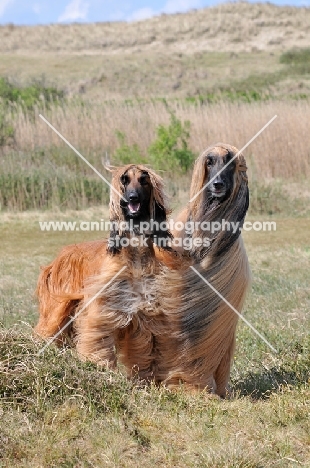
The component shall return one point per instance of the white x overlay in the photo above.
(193, 198)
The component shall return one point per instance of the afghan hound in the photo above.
(60, 284)
(203, 343)
(124, 320)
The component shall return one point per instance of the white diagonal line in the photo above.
(81, 156)
(235, 310)
(236, 155)
(80, 311)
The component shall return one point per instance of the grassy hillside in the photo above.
(232, 27)
(231, 46)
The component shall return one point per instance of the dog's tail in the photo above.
(60, 284)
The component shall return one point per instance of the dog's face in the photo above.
(221, 183)
(143, 201)
(137, 189)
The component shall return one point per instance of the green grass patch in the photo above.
(35, 94)
(296, 57)
(49, 178)
(273, 197)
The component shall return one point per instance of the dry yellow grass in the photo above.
(281, 151)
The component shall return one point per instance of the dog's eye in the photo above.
(209, 162)
(227, 158)
(124, 179)
(144, 179)
(232, 164)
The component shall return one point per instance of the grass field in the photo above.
(227, 70)
(57, 411)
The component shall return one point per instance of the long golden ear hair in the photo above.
(159, 211)
(199, 177)
(158, 199)
(116, 213)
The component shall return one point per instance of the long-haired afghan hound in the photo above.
(60, 283)
(124, 320)
(201, 351)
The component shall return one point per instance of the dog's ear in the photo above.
(114, 241)
(237, 205)
(240, 197)
(116, 212)
(159, 211)
(161, 234)
(199, 179)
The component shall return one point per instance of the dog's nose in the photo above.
(133, 196)
(218, 184)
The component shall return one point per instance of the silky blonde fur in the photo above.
(201, 350)
(68, 273)
(124, 321)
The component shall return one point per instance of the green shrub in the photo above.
(127, 154)
(271, 198)
(298, 59)
(267, 198)
(295, 56)
(170, 150)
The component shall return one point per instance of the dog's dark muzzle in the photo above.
(133, 204)
(218, 187)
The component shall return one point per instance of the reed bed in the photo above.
(281, 151)
(38, 170)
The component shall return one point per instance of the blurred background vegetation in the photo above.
(156, 92)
